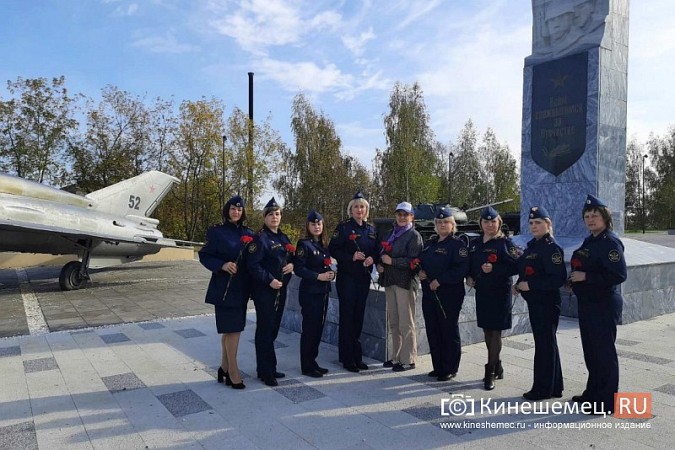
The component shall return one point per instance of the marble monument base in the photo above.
(649, 290)
(375, 338)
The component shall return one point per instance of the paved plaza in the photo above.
(130, 362)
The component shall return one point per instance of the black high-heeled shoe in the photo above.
(239, 385)
(222, 374)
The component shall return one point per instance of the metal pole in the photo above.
(222, 173)
(450, 156)
(644, 157)
(249, 153)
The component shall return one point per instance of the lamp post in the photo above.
(450, 157)
(222, 173)
(644, 157)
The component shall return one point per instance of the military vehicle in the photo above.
(425, 213)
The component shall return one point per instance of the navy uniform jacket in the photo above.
(267, 255)
(309, 262)
(506, 262)
(223, 244)
(547, 271)
(343, 248)
(602, 259)
(446, 261)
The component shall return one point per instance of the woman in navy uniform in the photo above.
(444, 263)
(354, 246)
(229, 288)
(312, 265)
(598, 268)
(493, 262)
(270, 263)
(541, 273)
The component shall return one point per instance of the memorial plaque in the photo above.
(559, 102)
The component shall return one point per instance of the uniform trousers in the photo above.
(597, 325)
(544, 312)
(352, 294)
(401, 315)
(268, 321)
(313, 309)
(445, 344)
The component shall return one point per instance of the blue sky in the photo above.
(344, 55)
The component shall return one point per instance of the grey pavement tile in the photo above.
(10, 351)
(296, 391)
(517, 345)
(277, 344)
(189, 333)
(40, 365)
(644, 358)
(20, 435)
(626, 342)
(151, 326)
(286, 331)
(122, 382)
(183, 403)
(666, 389)
(114, 338)
(75, 333)
(431, 413)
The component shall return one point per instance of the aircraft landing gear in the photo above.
(71, 277)
(74, 274)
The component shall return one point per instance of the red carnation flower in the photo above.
(353, 236)
(492, 258)
(414, 264)
(246, 239)
(576, 263)
(386, 246)
(290, 248)
(327, 262)
(529, 271)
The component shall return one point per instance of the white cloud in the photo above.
(163, 44)
(356, 44)
(305, 76)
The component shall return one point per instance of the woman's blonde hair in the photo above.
(451, 220)
(500, 233)
(358, 201)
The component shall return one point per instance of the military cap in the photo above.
(594, 201)
(489, 213)
(539, 212)
(314, 216)
(358, 195)
(237, 201)
(443, 213)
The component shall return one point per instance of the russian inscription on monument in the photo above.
(559, 112)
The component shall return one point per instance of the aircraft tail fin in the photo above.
(137, 196)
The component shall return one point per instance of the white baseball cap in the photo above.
(405, 206)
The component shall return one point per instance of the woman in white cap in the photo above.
(401, 246)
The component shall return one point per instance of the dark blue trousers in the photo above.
(268, 313)
(544, 312)
(313, 316)
(352, 292)
(598, 319)
(445, 344)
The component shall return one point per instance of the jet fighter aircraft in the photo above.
(104, 228)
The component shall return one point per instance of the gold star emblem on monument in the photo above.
(559, 81)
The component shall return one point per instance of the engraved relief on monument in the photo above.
(563, 26)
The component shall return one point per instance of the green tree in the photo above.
(465, 180)
(408, 168)
(316, 175)
(660, 181)
(124, 137)
(36, 126)
(633, 200)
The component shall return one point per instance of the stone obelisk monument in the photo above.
(574, 112)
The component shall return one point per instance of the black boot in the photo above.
(489, 380)
(499, 371)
